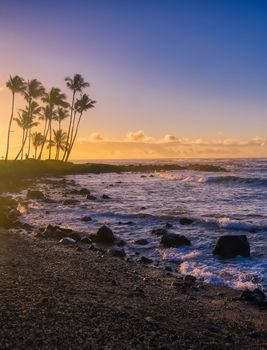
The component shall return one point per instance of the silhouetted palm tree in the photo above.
(81, 106)
(25, 122)
(59, 141)
(53, 99)
(17, 85)
(33, 90)
(37, 141)
(75, 84)
(60, 115)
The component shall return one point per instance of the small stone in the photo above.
(67, 241)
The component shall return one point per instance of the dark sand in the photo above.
(55, 297)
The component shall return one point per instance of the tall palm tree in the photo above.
(61, 114)
(34, 111)
(75, 84)
(45, 116)
(53, 99)
(82, 105)
(37, 141)
(59, 141)
(33, 90)
(25, 122)
(16, 85)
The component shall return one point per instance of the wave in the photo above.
(213, 179)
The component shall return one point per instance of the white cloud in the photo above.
(96, 136)
(171, 138)
(138, 136)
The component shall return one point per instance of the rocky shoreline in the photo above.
(55, 296)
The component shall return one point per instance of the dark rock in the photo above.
(186, 221)
(143, 208)
(145, 260)
(85, 240)
(174, 240)
(125, 223)
(75, 236)
(168, 225)
(105, 196)
(120, 242)
(256, 296)
(120, 253)
(105, 235)
(86, 218)
(141, 242)
(67, 241)
(190, 278)
(91, 197)
(228, 247)
(159, 231)
(70, 202)
(81, 192)
(35, 195)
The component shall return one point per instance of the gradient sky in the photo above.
(196, 70)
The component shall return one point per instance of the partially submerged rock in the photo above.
(105, 235)
(174, 240)
(256, 296)
(67, 241)
(91, 197)
(86, 218)
(118, 252)
(35, 195)
(141, 241)
(228, 247)
(70, 201)
(186, 221)
(105, 196)
(145, 260)
(159, 231)
(81, 192)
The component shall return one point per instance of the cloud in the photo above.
(138, 136)
(96, 137)
(170, 138)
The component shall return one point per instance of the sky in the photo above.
(172, 78)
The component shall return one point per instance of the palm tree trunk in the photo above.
(29, 144)
(70, 125)
(45, 138)
(23, 135)
(74, 138)
(35, 152)
(9, 125)
(73, 126)
(23, 144)
(50, 139)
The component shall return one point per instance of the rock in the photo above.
(105, 196)
(141, 242)
(13, 214)
(168, 225)
(86, 218)
(159, 231)
(228, 247)
(85, 240)
(105, 235)
(81, 192)
(91, 197)
(54, 232)
(256, 296)
(174, 240)
(120, 242)
(35, 195)
(145, 260)
(70, 201)
(190, 278)
(67, 241)
(75, 236)
(186, 221)
(120, 253)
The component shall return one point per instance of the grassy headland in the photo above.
(14, 173)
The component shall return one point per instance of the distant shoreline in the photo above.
(14, 173)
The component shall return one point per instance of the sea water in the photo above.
(221, 203)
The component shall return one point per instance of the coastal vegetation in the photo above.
(47, 109)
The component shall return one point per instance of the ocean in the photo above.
(221, 203)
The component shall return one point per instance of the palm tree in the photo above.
(59, 141)
(81, 106)
(25, 122)
(75, 84)
(17, 85)
(45, 116)
(33, 90)
(61, 114)
(34, 111)
(37, 140)
(53, 99)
